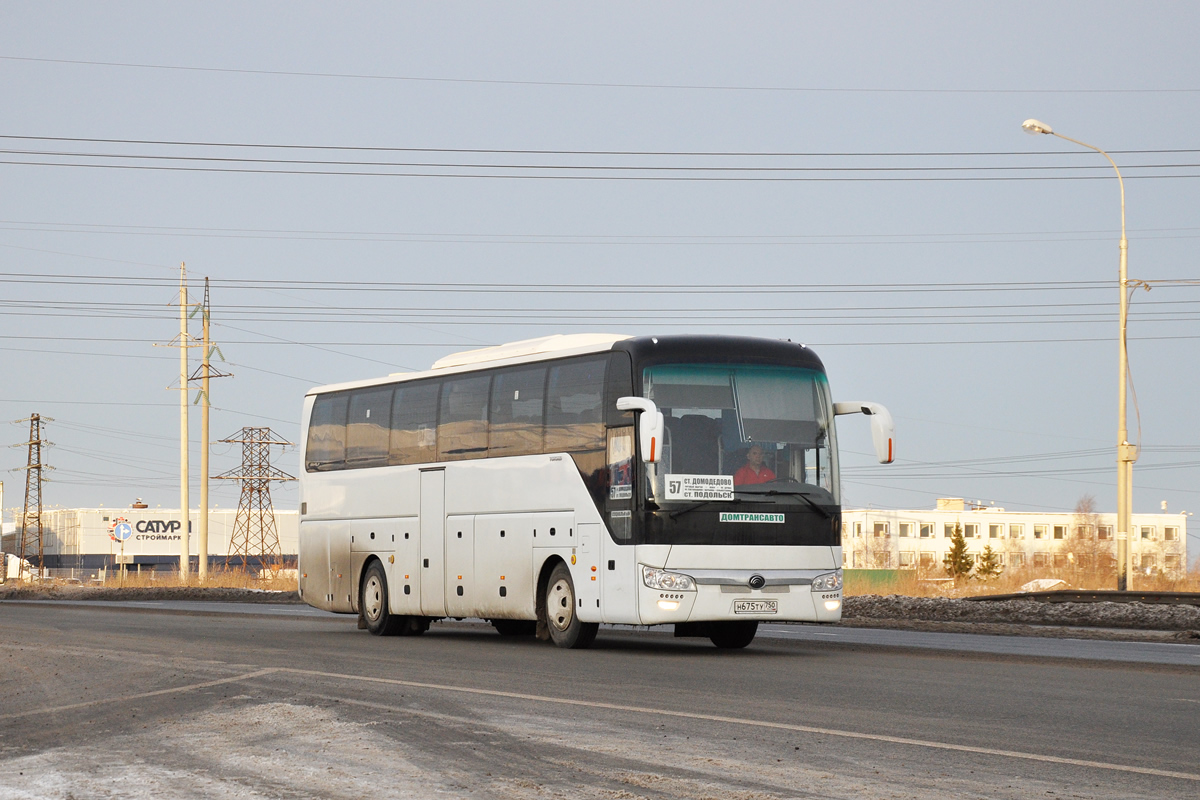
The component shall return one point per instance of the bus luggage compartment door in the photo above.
(460, 566)
(341, 579)
(433, 542)
(503, 569)
(314, 564)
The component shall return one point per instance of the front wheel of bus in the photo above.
(566, 629)
(733, 635)
(373, 602)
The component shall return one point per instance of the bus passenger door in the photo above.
(433, 542)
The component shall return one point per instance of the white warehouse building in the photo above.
(919, 539)
(86, 538)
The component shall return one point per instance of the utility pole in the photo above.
(33, 491)
(206, 371)
(183, 342)
(254, 531)
(184, 476)
(1127, 452)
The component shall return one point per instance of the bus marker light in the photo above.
(593, 569)
(832, 605)
(593, 577)
(501, 577)
(668, 605)
(391, 559)
(572, 558)
(460, 577)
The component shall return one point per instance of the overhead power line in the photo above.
(701, 317)
(569, 152)
(580, 288)
(301, 162)
(288, 159)
(706, 240)
(1054, 308)
(502, 173)
(586, 84)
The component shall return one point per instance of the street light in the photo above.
(1126, 452)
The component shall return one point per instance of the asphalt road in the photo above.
(105, 702)
(1185, 654)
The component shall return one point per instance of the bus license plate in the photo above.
(755, 606)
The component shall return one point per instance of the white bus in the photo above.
(554, 484)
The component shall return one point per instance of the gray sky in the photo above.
(938, 259)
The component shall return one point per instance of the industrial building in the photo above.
(87, 539)
(920, 539)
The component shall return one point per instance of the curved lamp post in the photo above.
(1126, 452)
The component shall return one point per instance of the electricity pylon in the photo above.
(254, 531)
(33, 490)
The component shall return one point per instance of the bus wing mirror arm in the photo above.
(650, 426)
(883, 430)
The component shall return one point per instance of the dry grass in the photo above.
(283, 581)
(933, 583)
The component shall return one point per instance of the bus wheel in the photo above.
(373, 602)
(733, 635)
(515, 627)
(566, 629)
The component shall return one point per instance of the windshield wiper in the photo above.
(803, 495)
(692, 508)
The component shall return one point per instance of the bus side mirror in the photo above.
(650, 426)
(883, 430)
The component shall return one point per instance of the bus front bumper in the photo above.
(782, 596)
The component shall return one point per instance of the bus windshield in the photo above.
(768, 428)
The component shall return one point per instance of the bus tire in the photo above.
(559, 607)
(373, 603)
(515, 627)
(733, 635)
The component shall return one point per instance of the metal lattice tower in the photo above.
(32, 513)
(254, 531)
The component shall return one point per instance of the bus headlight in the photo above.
(661, 579)
(829, 582)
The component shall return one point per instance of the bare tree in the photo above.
(1089, 555)
(878, 545)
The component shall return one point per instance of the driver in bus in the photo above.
(754, 470)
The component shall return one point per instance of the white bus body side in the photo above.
(501, 523)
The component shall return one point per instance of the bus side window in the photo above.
(575, 406)
(326, 446)
(368, 427)
(463, 420)
(620, 384)
(516, 419)
(414, 423)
